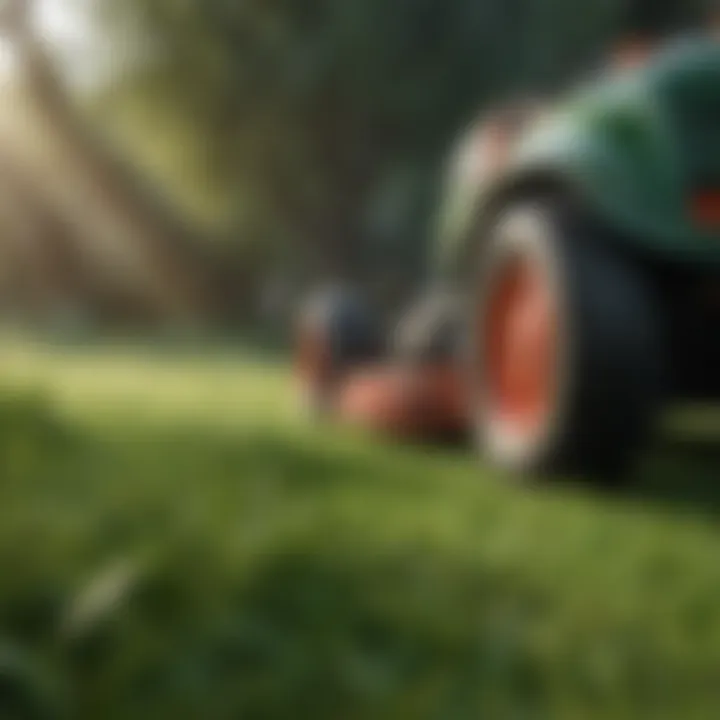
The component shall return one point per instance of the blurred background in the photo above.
(175, 541)
(170, 164)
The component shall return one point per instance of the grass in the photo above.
(176, 543)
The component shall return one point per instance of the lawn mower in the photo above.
(578, 287)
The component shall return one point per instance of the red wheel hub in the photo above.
(521, 348)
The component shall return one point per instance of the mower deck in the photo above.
(411, 402)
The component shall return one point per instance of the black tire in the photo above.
(339, 322)
(609, 361)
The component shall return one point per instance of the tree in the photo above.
(315, 108)
(135, 240)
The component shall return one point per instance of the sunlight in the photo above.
(65, 26)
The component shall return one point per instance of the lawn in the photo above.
(176, 543)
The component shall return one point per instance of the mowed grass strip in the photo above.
(176, 542)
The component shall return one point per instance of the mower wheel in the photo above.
(335, 332)
(567, 353)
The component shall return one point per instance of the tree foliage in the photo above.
(325, 121)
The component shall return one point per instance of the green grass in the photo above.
(176, 543)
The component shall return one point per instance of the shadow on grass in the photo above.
(683, 472)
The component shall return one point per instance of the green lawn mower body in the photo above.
(641, 151)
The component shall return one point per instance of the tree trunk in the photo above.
(166, 262)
